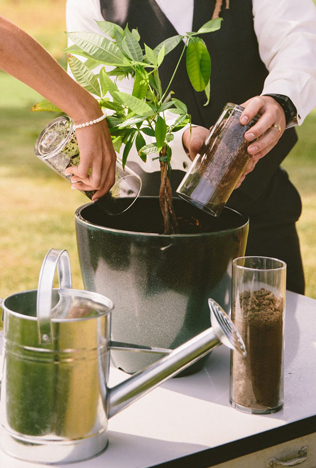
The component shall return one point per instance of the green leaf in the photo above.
(180, 123)
(180, 120)
(169, 153)
(141, 82)
(128, 147)
(109, 28)
(149, 149)
(92, 63)
(165, 106)
(176, 111)
(136, 34)
(169, 137)
(207, 93)
(151, 55)
(126, 49)
(161, 55)
(99, 48)
(84, 76)
(132, 121)
(108, 104)
(170, 44)
(157, 82)
(114, 121)
(45, 105)
(198, 63)
(160, 131)
(121, 72)
(118, 39)
(132, 47)
(180, 105)
(107, 85)
(210, 26)
(135, 104)
(117, 143)
(75, 50)
(148, 131)
(140, 142)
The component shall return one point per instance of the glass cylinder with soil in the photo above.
(258, 306)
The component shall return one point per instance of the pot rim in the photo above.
(83, 221)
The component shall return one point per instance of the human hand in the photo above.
(96, 170)
(193, 141)
(265, 134)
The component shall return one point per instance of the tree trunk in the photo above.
(165, 200)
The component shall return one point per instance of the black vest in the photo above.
(237, 70)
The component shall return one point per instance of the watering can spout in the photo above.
(222, 331)
(130, 390)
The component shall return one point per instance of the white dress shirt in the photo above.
(286, 33)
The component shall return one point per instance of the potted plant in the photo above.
(159, 282)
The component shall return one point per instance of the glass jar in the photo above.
(57, 147)
(214, 173)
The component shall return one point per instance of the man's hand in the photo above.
(194, 140)
(263, 136)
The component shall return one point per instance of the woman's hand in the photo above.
(96, 170)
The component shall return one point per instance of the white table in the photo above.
(188, 422)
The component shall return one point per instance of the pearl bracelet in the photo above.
(92, 122)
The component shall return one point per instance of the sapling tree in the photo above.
(132, 117)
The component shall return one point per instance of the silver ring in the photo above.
(277, 126)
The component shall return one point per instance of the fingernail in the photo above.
(73, 188)
(253, 149)
(244, 120)
(250, 136)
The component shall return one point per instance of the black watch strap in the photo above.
(286, 104)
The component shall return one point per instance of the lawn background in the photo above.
(37, 206)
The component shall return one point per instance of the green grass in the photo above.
(301, 166)
(36, 205)
(43, 19)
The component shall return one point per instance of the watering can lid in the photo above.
(54, 137)
(71, 304)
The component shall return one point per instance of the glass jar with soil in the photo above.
(57, 147)
(214, 173)
(258, 306)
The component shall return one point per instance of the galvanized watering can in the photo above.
(55, 398)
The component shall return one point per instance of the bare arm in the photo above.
(25, 59)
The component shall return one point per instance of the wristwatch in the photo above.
(288, 108)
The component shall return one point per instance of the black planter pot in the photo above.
(159, 283)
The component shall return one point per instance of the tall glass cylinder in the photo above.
(258, 307)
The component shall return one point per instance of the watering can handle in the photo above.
(54, 259)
